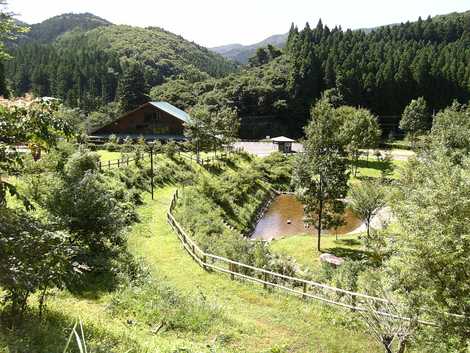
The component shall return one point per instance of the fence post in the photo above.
(204, 261)
(232, 268)
(265, 285)
(305, 291)
(127, 161)
(118, 162)
(109, 165)
(99, 165)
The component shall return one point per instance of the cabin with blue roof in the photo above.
(153, 120)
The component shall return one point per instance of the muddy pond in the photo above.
(274, 223)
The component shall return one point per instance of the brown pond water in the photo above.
(273, 224)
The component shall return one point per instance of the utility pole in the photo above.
(151, 146)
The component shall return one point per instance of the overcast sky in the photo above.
(217, 22)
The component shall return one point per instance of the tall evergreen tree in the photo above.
(132, 88)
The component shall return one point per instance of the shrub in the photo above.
(92, 206)
(34, 258)
(170, 149)
(79, 163)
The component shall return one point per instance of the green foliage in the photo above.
(170, 149)
(264, 55)
(451, 131)
(259, 91)
(320, 176)
(50, 29)
(415, 118)
(367, 198)
(359, 129)
(277, 168)
(86, 68)
(132, 91)
(38, 124)
(103, 116)
(92, 206)
(432, 206)
(212, 129)
(34, 257)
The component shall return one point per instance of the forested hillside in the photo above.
(87, 68)
(382, 70)
(48, 30)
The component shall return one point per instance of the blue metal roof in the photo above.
(172, 110)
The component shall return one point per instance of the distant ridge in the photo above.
(241, 53)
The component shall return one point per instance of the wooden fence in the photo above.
(125, 161)
(210, 159)
(269, 279)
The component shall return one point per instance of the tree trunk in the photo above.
(320, 214)
(368, 227)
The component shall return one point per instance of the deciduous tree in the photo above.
(415, 119)
(321, 176)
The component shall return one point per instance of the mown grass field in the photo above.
(108, 156)
(303, 248)
(371, 168)
(256, 320)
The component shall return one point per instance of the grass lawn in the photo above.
(303, 248)
(108, 156)
(372, 168)
(257, 321)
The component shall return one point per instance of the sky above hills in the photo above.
(218, 22)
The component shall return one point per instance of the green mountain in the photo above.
(64, 58)
(50, 29)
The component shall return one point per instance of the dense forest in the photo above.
(87, 68)
(50, 29)
(381, 69)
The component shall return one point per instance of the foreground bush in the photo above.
(95, 208)
(33, 258)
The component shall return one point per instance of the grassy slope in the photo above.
(260, 321)
(253, 320)
(108, 156)
(256, 321)
(372, 168)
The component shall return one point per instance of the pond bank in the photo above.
(284, 216)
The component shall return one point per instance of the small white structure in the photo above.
(283, 143)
